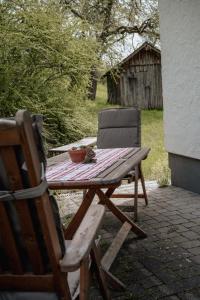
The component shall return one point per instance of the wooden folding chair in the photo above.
(35, 260)
(119, 128)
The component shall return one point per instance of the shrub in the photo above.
(45, 65)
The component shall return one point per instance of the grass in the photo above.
(90, 110)
(156, 166)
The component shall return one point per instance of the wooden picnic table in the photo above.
(103, 185)
(88, 141)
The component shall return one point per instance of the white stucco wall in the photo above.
(180, 46)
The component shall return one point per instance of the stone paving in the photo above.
(165, 265)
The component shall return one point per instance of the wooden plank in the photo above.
(126, 196)
(132, 152)
(143, 185)
(27, 282)
(113, 281)
(88, 141)
(119, 214)
(136, 193)
(82, 210)
(9, 244)
(95, 255)
(57, 159)
(26, 225)
(127, 166)
(9, 137)
(84, 279)
(73, 279)
(83, 239)
(114, 248)
(110, 169)
(117, 163)
(52, 243)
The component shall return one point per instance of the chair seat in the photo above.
(27, 296)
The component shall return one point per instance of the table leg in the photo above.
(143, 184)
(84, 193)
(78, 217)
(110, 191)
(119, 214)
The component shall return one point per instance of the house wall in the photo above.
(180, 43)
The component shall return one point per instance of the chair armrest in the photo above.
(81, 244)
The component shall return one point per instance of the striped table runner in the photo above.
(68, 170)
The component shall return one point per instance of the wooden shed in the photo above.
(137, 81)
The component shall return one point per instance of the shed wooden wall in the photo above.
(139, 83)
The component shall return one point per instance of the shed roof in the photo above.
(145, 45)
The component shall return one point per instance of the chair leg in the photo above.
(84, 279)
(136, 194)
(99, 272)
(143, 184)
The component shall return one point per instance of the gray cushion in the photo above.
(119, 128)
(117, 138)
(119, 117)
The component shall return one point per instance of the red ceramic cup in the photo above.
(77, 155)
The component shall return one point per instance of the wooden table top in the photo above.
(88, 141)
(111, 176)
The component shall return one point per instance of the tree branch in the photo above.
(68, 3)
(121, 30)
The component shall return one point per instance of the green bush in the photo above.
(45, 65)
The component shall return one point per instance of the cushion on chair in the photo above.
(119, 117)
(119, 128)
(117, 138)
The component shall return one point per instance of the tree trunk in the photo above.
(92, 89)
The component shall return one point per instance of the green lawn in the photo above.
(155, 167)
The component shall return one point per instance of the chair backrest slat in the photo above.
(22, 209)
(8, 243)
(46, 218)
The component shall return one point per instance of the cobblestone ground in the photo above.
(165, 265)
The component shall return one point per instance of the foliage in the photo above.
(111, 21)
(45, 65)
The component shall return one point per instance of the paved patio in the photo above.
(165, 265)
